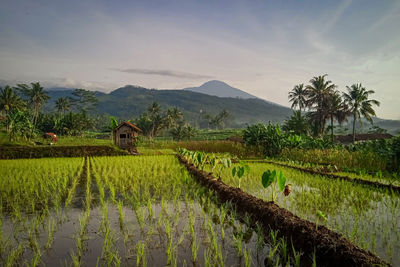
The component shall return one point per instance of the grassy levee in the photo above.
(209, 146)
(330, 248)
(19, 152)
(364, 180)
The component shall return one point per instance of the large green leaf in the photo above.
(233, 172)
(240, 172)
(199, 157)
(281, 181)
(246, 169)
(267, 178)
(226, 162)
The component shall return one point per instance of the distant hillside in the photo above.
(130, 101)
(221, 89)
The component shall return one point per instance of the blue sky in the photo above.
(262, 47)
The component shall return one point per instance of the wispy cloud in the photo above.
(170, 73)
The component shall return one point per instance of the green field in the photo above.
(148, 211)
(121, 211)
(369, 217)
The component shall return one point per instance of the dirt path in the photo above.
(331, 248)
(333, 176)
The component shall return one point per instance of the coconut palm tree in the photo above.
(174, 115)
(298, 96)
(36, 96)
(63, 105)
(9, 100)
(359, 104)
(336, 109)
(318, 92)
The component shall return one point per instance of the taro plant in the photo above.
(272, 178)
(240, 170)
(225, 163)
(320, 215)
(201, 159)
(213, 162)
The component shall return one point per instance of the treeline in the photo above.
(320, 103)
(155, 121)
(23, 115)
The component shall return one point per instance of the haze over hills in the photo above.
(221, 89)
(129, 102)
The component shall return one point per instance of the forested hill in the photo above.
(130, 101)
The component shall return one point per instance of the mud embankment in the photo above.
(331, 249)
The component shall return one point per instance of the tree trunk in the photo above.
(354, 127)
(332, 127)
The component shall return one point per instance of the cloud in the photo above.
(170, 73)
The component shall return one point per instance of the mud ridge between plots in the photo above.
(331, 248)
(333, 176)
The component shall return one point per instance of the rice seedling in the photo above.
(141, 256)
(121, 216)
(247, 258)
(51, 228)
(169, 211)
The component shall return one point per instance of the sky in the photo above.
(262, 47)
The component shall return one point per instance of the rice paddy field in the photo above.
(368, 216)
(123, 211)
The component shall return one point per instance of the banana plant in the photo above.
(272, 178)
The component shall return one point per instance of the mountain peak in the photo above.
(214, 83)
(220, 89)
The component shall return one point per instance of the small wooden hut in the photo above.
(125, 136)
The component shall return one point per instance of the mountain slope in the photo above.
(129, 102)
(221, 89)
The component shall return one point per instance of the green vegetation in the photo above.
(144, 211)
(325, 103)
(343, 206)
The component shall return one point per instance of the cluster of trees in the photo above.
(155, 120)
(323, 103)
(218, 121)
(21, 107)
(23, 115)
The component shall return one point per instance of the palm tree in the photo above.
(359, 104)
(318, 93)
(173, 116)
(298, 96)
(336, 109)
(37, 97)
(157, 121)
(9, 100)
(62, 105)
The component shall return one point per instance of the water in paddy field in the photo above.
(138, 228)
(372, 222)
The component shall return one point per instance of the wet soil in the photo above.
(330, 248)
(393, 188)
